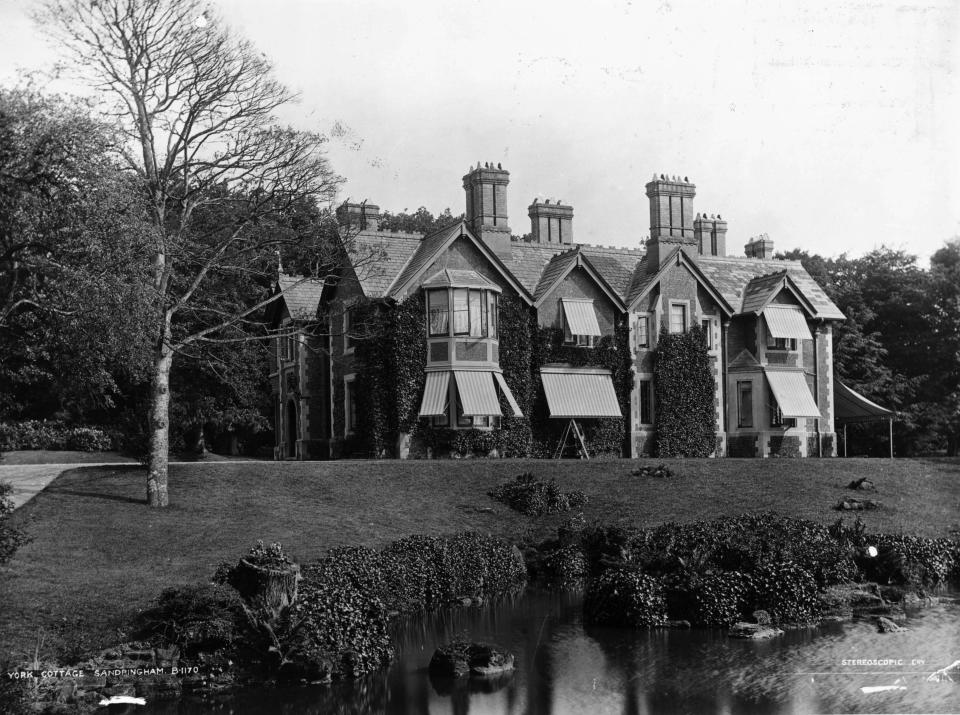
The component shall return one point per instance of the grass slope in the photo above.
(99, 554)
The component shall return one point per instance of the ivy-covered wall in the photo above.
(685, 390)
(605, 436)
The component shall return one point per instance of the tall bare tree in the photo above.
(197, 107)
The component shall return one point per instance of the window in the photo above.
(707, 326)
(745, 404)
(349, 406)
(581, 341)
(477, 328)
(781, 343)
(493, 302)
(462, 419)
(776, 416)
(678, 318)
(349, 341)
(461, 312)
(643, 331)
(646, 402)
(438, 306)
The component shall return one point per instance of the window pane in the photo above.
(745, 392)
(439, 312)
(494, 316)
(678, 318)
(475, 322)
(708, 333)
(461, 315)
(643, 332)
(646, 413)
(485, 306)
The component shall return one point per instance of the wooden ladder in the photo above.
(579, 442)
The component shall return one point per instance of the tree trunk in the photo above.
(159, 426)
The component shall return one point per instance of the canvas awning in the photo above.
(435, 393)
(580, 392)
(792, 393)
(509, 395)
(850, 406)
(786, 322)
(477, 393)
(581, 317)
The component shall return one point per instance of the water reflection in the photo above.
(563, 668)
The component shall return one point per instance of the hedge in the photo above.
(685, 391)
(53, 435)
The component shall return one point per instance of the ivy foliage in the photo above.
(684, 388)
(606, 436)
(390, 371)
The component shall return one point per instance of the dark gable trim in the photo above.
(679, 257)
(584, 262)
(491, 257)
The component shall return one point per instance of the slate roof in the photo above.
(758, 290)
(389, 260)
(459, 278)
(378, 256)
(557, 266)
(302, 296)
(731, 276)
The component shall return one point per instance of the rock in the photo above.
(460, 659)
(862, 484)
(857, 505)
(753, 631)
(681, 624)
(885, 625)
(762, 617)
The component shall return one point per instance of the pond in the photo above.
(565, 668)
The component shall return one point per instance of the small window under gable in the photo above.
(678, 318)
(580, 326)
(643, 332)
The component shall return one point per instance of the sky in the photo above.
(829, 125)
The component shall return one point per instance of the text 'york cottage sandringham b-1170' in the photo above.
(468, 341)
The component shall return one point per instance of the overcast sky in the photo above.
(830, 125)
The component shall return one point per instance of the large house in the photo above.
(768, 328)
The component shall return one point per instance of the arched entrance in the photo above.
(293, 429)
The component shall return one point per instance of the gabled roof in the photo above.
(760, 291)
(433, 246)
(379, 256)
(679, 257)
(301, 296)
(562, 264)
(616, 265)
(731, 276)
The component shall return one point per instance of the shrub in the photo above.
(661, 471)
(11, 538)
(684, 384)
(52, 435)
(342, 613)
(533, 497)
(196, 618)
(787, 592)
(564, 568)
(625, 597)
(720, 599)
(912, 560)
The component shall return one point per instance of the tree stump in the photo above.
(272, 588)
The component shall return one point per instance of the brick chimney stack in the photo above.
(711, 235)
(671, 217)
(759, 247)
(362, 216)
(551, 222)
(486, 189)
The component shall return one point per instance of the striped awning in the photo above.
(786, 322)
(792, 393)
(435, 393)
(509, 395)
(478, 396)
(853, 407)
(579, 392)
(580, 316)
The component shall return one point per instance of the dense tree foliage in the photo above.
(420, 221)
(899, 345)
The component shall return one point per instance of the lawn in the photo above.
(99, 554)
